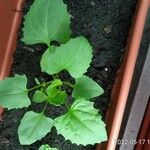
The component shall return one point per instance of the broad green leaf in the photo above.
(46, 147)
(74, 56)
(33, 127)
(55, 83)
(82, 124)
(13, 92)
(87, 88)
(46, 21)
(59, 98)
(39, 97)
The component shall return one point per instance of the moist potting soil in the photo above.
(106, 25)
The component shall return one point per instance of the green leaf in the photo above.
(74, 56)
(39, 97)
(87, 88)
(46, 21)
(55, 95)
(82, 124)
(52, 88)
(13, 92)
(52, 92)
(37, 81)
(33, 127)
(46, 147)
(59, 98)
(55, 83)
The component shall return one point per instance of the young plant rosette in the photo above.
(82, 123)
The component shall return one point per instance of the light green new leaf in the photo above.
(39, 97)
(37, 81)
(54, 95)
(87, 88)
(47, 20)
(55, 83)
(74, 56)
(46, 147)
(13, 92)
(52, 92)
(82, 124)
(59, 98)
(33, 127)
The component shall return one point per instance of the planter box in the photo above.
(138, 96)
(10, 15)
(124, 77)
(145, 131)
(10, 11)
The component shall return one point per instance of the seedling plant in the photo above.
(47, 21)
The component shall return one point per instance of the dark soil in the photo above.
(106, 24)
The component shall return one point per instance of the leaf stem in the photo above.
(57, 76)
(67, 106)
(69, 84)
(47, 83)
(44, 108)
(38, 86)
(53, 77)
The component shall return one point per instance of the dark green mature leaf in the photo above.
(39, 97)
(87, 88)
(46, 147)
(74, 56)
(82, 124)
(47, 20)
(33, 127)
(13, 92)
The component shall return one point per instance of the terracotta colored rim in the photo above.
(11, 9)
(127, 69)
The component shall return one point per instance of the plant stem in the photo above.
(66, 104)
(69, 84)
(44, 108)
(57, 76)
(38, 86)
(53, 77)
(47, 83)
